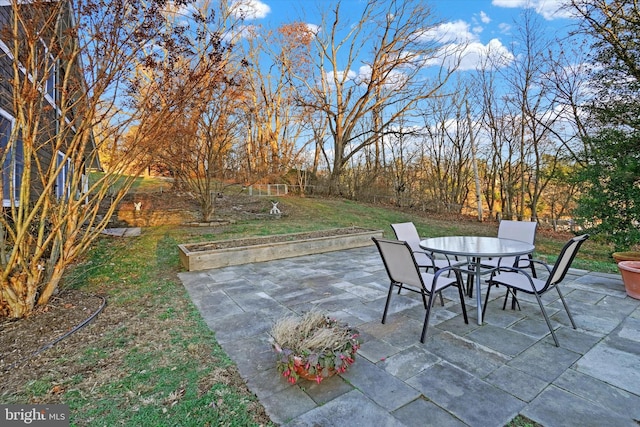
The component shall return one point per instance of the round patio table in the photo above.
(474, 248)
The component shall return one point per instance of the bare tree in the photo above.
(491, 126)
(77, 65)
(446, 159)
(519, 117)
(273, 122)
(402, 169)
(209, 137)
(377, 86)
(197, 147)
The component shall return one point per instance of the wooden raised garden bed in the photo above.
(203, 256)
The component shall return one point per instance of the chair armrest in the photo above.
(446, 270)
(428, 255)
(449, 259)
(512, 270)
(528, 260)
(432, 256)
(542, 263)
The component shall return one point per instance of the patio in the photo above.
(464, 374)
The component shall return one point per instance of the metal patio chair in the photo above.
(518, 279)
(404, 272)
(524, 231)
(407, 232)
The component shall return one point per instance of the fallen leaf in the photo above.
(56, 389)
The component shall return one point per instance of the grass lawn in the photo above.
(149, 359)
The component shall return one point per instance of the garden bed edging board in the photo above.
(197, 256)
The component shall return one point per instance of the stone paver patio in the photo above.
(464, 374)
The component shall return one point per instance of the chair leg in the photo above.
(439, 293)
(426, 319)
(424, 299)
(533, 268)
(460, 285)
(566, 307)
(546, 319)
(514, 299)
(464, 307)
(386, 306)
(486, 300)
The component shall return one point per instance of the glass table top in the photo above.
(476, 246)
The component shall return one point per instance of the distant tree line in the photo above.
(362, 110)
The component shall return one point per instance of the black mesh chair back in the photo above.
(404, 272)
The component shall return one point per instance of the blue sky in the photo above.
(484, 25)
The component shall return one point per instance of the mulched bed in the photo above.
(23, 339)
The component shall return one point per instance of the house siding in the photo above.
(6, 66)
(51, 118)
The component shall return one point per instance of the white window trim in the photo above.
(53, 77)
(63, 189)
(7, 202)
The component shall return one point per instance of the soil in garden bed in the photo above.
(225, 244)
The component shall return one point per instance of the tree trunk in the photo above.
(17, 296)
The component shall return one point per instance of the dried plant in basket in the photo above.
(313, 346)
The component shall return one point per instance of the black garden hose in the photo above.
(79, 326)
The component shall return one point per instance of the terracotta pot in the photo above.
(299, 368)
(630, 271)
(303, 373)
(626, 256)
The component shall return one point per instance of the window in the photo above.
(50, 86)
(47, 65)
(13, 164)
(63, 189)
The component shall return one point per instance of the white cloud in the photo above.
(510, 3)
(249, 9)
(549, 9)
(504, 28)
(341, 76)
(553, 9)
(395, 79)
(450, 32)
(494, 53)
(364, 73)
(477, 29)
(460, 43)
(313, 28)
(484, 18)
(473, 56)
(461, 46)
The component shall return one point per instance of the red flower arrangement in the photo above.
(313, 347)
